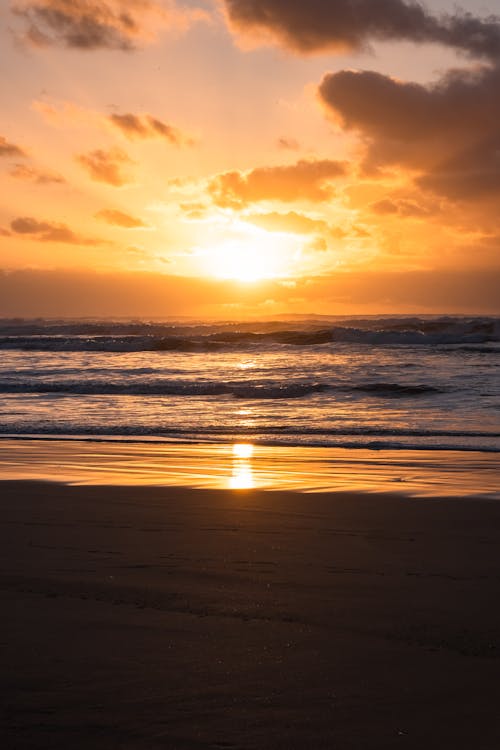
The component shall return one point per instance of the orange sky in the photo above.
(279, 156)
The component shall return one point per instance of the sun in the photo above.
(251, 254)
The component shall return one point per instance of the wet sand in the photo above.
(162, 617)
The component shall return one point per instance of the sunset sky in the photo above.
(240, 157)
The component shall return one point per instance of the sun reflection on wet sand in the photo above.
(243, 466)
(242, 474)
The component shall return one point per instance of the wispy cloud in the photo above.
(120, 219)
(33, 174)
(10, 149)
(50, 231)
(147, 126)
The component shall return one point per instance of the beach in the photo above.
(138, 616)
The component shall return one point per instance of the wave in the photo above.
(138, 336)
(236, 389)
(247, 431)
(241, 390)
(396, 389)
(371, 439)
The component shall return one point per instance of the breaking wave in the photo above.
(137, 337)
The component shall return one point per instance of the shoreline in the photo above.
(245, 466)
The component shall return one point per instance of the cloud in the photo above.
(288, 144)
(49, 231)
(194, 210)
(120, 219)
(304, 180)
(32, 293)
(147, 126)
(448, 131)
(99, 24)
(292, 221)
(106, 166)
(340, 25)
(403, 207)
(40, 177)
(9, 149)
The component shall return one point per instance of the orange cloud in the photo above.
(289, 222)
(40, 177)
(120, 219)
(106, 166)
(147, 126)
(9, 149)
(304, 180)
(403, 207)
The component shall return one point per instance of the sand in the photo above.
(162, 617)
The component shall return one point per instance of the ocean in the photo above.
(372, 382)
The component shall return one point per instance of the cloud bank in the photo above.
(73, 293)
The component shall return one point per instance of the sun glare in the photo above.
(252, 254)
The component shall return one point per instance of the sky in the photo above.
(234, 158)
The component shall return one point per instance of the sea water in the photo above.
(374, 382)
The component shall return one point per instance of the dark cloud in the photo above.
(304, 180)
(83, 24)
(448, 131)
(49, 231)
(339, 25)
(120, 219)
(147, 126)
(40, 177)
(106, 166)
(94, 24)
(9, 149)
(473, 173)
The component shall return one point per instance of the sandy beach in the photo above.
(172, 617)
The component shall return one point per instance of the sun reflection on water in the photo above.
(243, 450)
